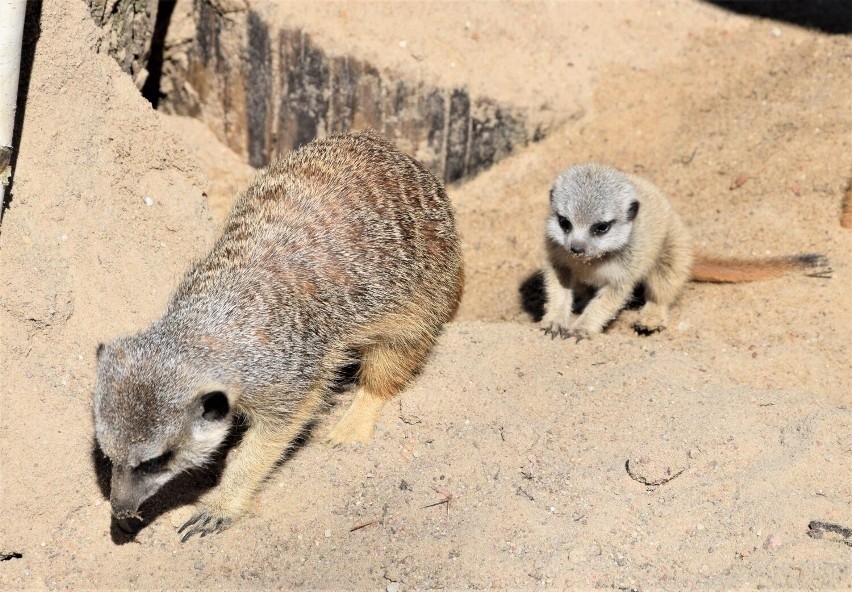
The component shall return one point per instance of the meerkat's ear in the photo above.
(632, 210)
(214, 405)
(99, 351)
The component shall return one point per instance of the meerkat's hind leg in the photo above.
(652, 318)
(662, 287)
(386, 367)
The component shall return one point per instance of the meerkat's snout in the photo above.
(578, 247)
(125, 499)
(129, 488)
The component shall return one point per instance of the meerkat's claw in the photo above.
(203, 524)
(579, 335)
(646, 330)
(555, 330)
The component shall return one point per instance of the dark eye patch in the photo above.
(564, 223)
(602, 227)
(154, 465)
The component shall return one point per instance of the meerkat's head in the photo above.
(592, 209)
(155, 416)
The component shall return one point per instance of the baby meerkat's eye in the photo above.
(601, 228)
(564, 223)
(154, 465)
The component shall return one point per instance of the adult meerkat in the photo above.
(345, 250)
(612, 231)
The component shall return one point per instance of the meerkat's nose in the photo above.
(578, 249)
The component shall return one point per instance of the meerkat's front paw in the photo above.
(579, 334)
(554, 329)
(555, 324)
(204, 523)
(210, 519)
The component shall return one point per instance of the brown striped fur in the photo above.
(344, 251)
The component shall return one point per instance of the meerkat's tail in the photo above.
(714, 269)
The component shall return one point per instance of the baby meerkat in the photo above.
(345, 250)
(611, 231)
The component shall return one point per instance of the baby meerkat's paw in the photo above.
(579, 334)
(651, 319)
(555, 324)
(553, 329)
(645, 330)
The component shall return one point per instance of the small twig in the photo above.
(438, 503)
(406, 418)
(448, 497)
(522, 492)
(645, 481)
(7, 555)
(364, 525)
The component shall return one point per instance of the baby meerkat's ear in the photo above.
(214, 405)
(99, 351)
(632, 210)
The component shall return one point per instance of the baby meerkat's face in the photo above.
(592, 209)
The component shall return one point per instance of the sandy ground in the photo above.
(741, 407)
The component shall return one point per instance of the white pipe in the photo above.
(11, 36)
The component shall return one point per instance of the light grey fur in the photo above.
(587, 195)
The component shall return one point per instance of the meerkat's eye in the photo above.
(564, 223)
(154, 465)
(601, 228)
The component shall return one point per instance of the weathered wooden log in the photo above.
(128, 27)
(265, 91)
